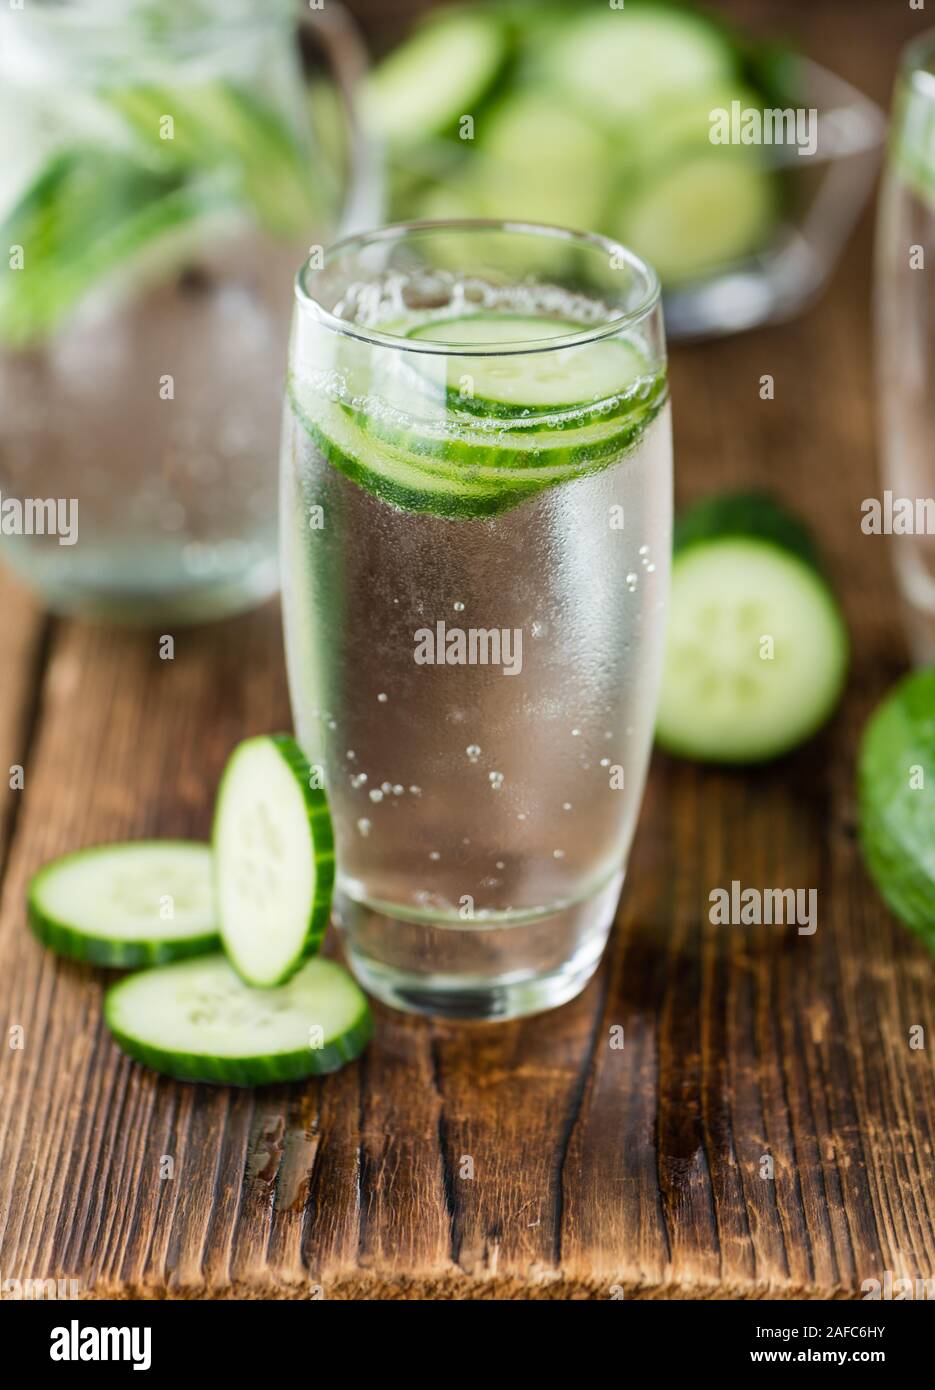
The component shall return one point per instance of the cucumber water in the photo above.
(475, 556)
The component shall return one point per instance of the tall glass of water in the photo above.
(905, 334)
(476, 513)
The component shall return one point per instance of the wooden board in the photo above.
(593, 1167)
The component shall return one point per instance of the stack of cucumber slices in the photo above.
(586, 115)
(481, 434)
(236, 992)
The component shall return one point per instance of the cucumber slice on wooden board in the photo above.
(197, 1021)
(442, 72)
(896, 799)
(274, 859)
(756, 648)
(127, 905)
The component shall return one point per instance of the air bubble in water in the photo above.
(496, 780)
(458, 607)
(473, 752)
(416, 791)
(363, 825)
(382, 698)
(376, 795)
(358, 780)
(631, 581)
(398, 790)
(435, 854)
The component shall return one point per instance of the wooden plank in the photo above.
(535, 1158)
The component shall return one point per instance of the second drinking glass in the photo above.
(476, 513)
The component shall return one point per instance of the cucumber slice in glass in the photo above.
(404, 480)
(127, 905)
(529, 383)
(274, 859)
(197, 1021)
(896, 785)
(756, 648)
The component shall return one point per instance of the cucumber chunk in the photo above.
(756, 650)
(274, 859)
(197, 1021)
(441, 74)
(526, 383)
(896, 786)
(128, 904)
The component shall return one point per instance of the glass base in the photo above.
(498, 969)
(146, 606)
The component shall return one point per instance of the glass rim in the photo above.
(918, 61)
(647, 304)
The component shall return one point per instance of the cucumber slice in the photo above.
(83, 219)
(707, 210)
(896, 786)
(528, 383)
(441, 73)
(127, 905)
(403, 480)
(507, 452)
(572, 191)
(729, 695)
(620, 64)
(198, 1021)
(274, 859)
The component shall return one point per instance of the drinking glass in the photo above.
(163, 165)
(905, 341)
(475, 532)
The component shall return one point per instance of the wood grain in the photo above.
(533, 1159)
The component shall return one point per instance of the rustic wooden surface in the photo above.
(593, 1167)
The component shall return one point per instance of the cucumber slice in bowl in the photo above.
(274, 860)
(197, 1021)
(756, 650)
(127, 905)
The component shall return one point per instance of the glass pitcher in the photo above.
(164, 165)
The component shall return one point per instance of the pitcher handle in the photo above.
(347, 57)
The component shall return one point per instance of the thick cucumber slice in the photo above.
(896, 784)
(441, 74)
(706, 210)
(756, 649)
(274, 859)
(198, 1021)
(127, 905)
(528, 383)
(622, 63)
